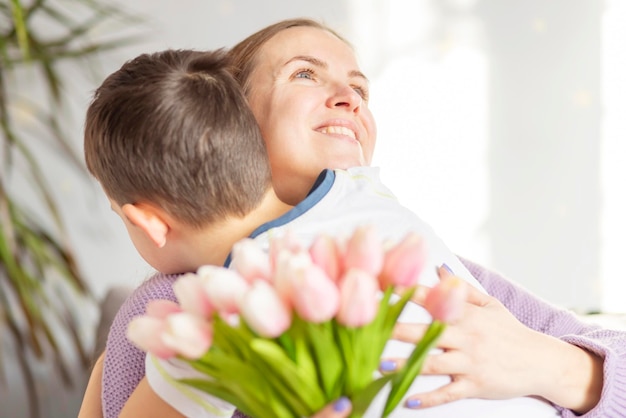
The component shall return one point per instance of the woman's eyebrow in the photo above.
(311, 60)
(357, 73)
(322, 64)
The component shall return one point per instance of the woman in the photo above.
(296, 74)
(482, 350)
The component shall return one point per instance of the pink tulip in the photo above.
(364, 251)
(250, 261)
(325, 253)
(189, 290)
(315, 296)
(404, 262)
(224, 288)
(283, 241)
(287, 265)
(145, 332)
(264, 311)
(446, 300)
(359, 298)
(187, 334)
(161, 308)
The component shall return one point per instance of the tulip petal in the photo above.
(404, 262)
(325, 253)
(446, 300)
(161, 308)
(359, 298)
(364, 251)
(189, 290)
(264, 311)
(145, 332)
(250, 261)
(224, 288)
(187, 334)
(315, 296)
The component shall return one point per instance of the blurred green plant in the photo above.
(40, 282)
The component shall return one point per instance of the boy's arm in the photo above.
(91, 406)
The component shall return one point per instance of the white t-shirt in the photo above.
(341, 201)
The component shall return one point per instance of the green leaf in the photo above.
(362, 347)
(362, 399)
(297, 388)
(302, 355)
(233, 380)
(328, 358)
(287, 343)
(225, 393)
(20, 26)
(346, 344)
(404, 378)
(395, 309)
(232, 340)
(274, 384)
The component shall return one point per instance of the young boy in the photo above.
(173, 144)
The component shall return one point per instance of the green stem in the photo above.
(403, 380)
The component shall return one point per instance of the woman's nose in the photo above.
(345, 97)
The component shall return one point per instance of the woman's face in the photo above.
(311, 102)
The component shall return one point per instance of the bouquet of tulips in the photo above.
(284, 332)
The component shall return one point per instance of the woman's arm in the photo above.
(91, 406)
(490, 354)
(514, 344)
(604, 360)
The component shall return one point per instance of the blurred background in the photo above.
(500, 122)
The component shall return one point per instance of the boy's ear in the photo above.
(150, 220)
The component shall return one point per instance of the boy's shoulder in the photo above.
(158, 286)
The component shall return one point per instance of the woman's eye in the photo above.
(308, 74)
(361, 91)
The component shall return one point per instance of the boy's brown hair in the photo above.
(173, 128)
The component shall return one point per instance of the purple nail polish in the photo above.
(445, 266)
(341, 405)
(413, 403)
(388, 366)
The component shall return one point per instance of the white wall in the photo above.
(499, 123)
(493, 111)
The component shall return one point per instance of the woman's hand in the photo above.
(489, 354)
(341, 408)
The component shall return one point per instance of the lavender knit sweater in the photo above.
(124, 363)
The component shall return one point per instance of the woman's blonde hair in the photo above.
(243, 56)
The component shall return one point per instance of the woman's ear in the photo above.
(148, 219)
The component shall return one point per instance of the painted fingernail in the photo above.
(388, 366)
(413, 403)
(445, 266)
(341, 405)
